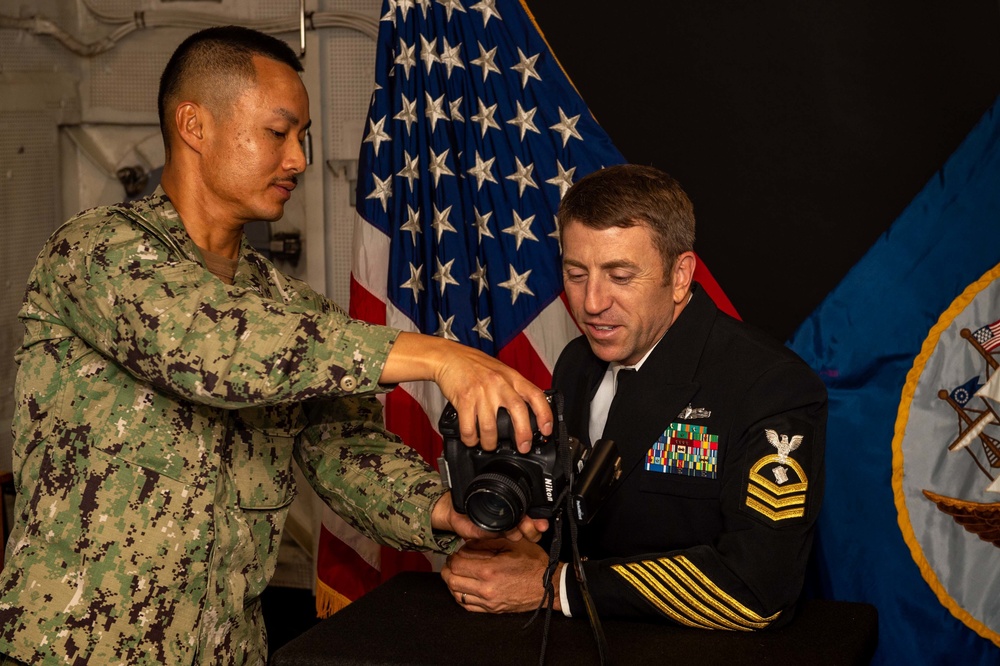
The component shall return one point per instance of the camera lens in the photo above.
(497, 501)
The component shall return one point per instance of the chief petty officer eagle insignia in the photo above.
(783, 444)
(778, 500)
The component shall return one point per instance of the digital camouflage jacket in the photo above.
(157, 412)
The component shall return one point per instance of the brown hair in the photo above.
(627, 195)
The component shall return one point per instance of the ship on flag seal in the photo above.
(946, 457)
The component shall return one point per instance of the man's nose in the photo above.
(597, 298)
(295, 159)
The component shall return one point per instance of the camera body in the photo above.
(497, 488)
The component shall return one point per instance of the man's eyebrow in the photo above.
(291, 117)
(620, 263)
(608, 265)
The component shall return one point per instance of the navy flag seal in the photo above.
(946, 457)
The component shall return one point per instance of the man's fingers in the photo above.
(478, 422)
(462, 588)
(464, 555)
(529, 528)
(487, 417)
(467, 429)
(465, 528)
(523, 433)
(491, 545)
(543, 412)
(473, 607)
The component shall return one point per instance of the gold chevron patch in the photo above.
(778, 500)
(682, 593)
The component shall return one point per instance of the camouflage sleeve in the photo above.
(371, 479)
(166, 320)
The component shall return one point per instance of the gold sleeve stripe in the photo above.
(657, 600)
(687, 602)
(721, 617)
(729, 600)
(680, 591)
(736, 614)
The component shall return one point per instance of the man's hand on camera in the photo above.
(498, 576)
(475, 383)
(444, 518)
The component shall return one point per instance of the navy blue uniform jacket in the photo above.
(721, 434)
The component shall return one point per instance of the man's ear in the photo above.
(683, 275)
(190, 119)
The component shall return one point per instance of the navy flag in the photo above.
(911, 518)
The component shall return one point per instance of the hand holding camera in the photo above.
(497, 488)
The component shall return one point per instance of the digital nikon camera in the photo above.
(497, 488)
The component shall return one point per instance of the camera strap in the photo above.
(566, 501)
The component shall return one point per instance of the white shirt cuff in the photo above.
(563, 599)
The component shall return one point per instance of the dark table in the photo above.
(412, 619)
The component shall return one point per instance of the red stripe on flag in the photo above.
(520, 355)
(342, 569)
(365, 305)
(704, 277)
(395, 561)
(406, 417)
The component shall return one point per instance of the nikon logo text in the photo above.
(548, 490)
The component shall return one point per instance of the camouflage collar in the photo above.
(158, 216)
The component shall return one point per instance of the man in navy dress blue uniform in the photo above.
(721, 431)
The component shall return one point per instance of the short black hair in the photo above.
(222, 51)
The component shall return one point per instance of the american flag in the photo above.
(473, 136)
(988, 336)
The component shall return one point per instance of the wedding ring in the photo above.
(463, 598)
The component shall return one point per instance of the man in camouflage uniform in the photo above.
(168, 375)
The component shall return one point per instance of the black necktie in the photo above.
(624, 377)
(622, 380)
